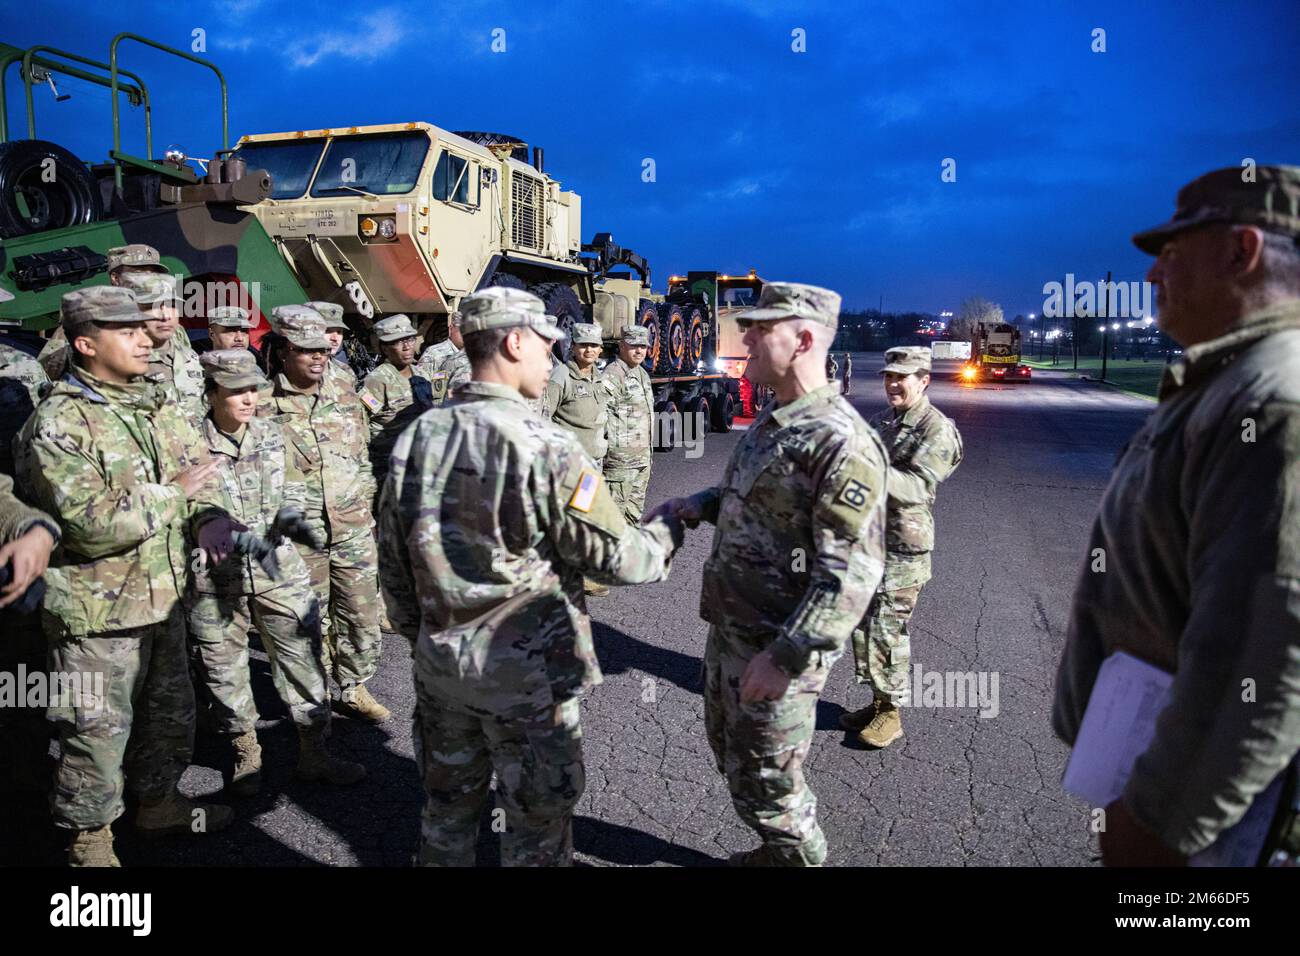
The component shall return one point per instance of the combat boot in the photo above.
(357, 702)
(93, 848)
(317, 763)
(594, 588)
(885, 727)
(247, 777)
(858, 719)
(177, 813)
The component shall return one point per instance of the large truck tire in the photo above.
(664, 432)
(647, 316)
(504, 280)
(724, 413)
(562, 303)
(699, 412)
(672, 339)
(696, 326)
(43, 187)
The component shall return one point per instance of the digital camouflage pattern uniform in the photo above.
(797, 554)
(576, 399)
(444, 358)
(257, 478)
(1193, 563)
(338, 370)
(924, 448)
(326, 432)
(176, 367)
(630, 429)
(394, 400)
(22, 383)
(490, 518)
(101, 458)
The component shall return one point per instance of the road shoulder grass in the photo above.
(1132, 376)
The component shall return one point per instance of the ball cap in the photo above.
(149, 287)
(586, 333)
(1271, 201)
(100, 303)
(499, 308)
(394, 328)
(233, 368)
(135, 256)
(908, 359)
(229, 317)
(332, 313)
(300, 325)
(794, 300)
(636, 335)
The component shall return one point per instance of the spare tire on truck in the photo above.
(43, 187)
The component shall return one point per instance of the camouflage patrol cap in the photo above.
(501, 308)
(1271, 201)
(586, 333)
(149, 287)
(300, 325)
(99, 303)
(794, 300)
(636, 335)
(135, 256)
(907, 360)
(229, 317)
(332, 313)
(233, 368)
(394, 328)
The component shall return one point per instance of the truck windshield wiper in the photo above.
(360, 192)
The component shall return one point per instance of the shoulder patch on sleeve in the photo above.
(855, 494)
(585, 494)
(369, 400)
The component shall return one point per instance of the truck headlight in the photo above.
(388, 228)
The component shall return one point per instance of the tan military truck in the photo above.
(408, 217)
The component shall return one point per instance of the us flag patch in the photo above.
(585, 494)
(371, 402)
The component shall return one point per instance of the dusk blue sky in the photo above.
(822, 166)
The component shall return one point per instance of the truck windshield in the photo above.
(290, 164)
(385, 165)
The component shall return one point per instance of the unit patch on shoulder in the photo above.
(855, 494)
(585, 494)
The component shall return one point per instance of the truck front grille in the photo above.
(527, 217)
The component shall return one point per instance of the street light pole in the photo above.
(1105, 350)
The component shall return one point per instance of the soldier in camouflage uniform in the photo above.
(490, 517)
(326, 430)
(575, 399)
(924, 448)
(22, 384)
(393, 394)
(27, 539)
(255, 480)
(118, 466)
(336, 330)
(797, 554)
(447, 356)
(228, 327)
(173, 361)
(631, 407)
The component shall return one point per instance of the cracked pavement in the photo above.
(957, 789)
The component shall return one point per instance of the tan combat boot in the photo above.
(858, 719)
(93, 848)
(247, 777)
(594, 588)
(317, 763)
(357, 702)
(885, 727)
(177, 813)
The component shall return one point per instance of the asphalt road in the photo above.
(958, 789)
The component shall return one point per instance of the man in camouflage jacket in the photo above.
(630, 405)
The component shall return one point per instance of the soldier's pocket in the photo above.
(751, 476)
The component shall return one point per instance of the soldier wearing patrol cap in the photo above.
(327, 436)
(256, 479)
(336, 331)
(1200, 531)
(798, 552)
(119, 468)
(228, 327)
(924, 448)
(447, 357)
(489, 519)
(630, 429)
(393, 394)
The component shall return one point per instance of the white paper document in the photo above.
(1118, 726)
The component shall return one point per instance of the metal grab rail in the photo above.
(113, 72)
(12, 55)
